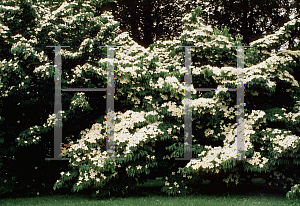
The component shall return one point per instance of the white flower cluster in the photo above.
(286, 76)
(94, 133)
(176, 111)
(127, 122)
(121, 134)
(124, 80)
(3, 29)
(125, 53)
(149, 98)
(228, 112)
(61, 8)
(292, 116)
(160, 83)
(124, 36)
(9, 7)
(256, 115)
(268, 40)
(131, 70)
(211, 155)
(51, 119)
(79, 145)
(43, 70)
(80, 101)
(197, 70)
(203, 102)
(258, 160)
(271, 65)
(286, 141)
(208, 132)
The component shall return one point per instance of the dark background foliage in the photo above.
(149, 20)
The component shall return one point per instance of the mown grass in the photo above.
(149, 194)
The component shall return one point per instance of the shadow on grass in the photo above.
(256, 188)
(153, 188)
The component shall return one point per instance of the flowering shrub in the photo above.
(151, 82)
(26, 84)
(149, 103)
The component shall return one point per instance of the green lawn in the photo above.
(254, 195)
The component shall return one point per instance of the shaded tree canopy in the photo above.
(148, 20)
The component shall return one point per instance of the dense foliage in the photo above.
(27, 89)
(149, 104)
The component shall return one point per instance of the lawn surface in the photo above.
(148, 194)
